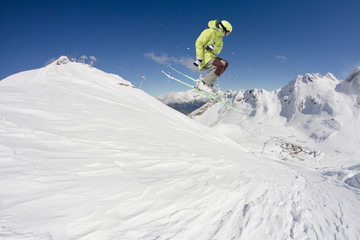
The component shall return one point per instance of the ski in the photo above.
(216, 93)
(202, 92)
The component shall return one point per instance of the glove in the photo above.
(210, 47)
(198, 62)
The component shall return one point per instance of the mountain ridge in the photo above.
(320, 108)
(84, 155)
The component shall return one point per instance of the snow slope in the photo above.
(84, 155)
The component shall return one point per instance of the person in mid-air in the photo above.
(208, 46)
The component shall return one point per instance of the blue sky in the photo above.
(272, 41)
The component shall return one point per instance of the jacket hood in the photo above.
(213, 24)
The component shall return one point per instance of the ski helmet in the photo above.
(225, 26)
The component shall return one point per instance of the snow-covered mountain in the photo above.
(352, 84)
(85, 155)
(185, 102)
(322, 109)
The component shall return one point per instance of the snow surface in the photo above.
(84, 155)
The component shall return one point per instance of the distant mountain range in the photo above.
(185, 102)
(319, 106)
(86, 155)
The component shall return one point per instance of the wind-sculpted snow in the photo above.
(354, 181)
(84, 155)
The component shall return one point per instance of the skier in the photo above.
(208, 46)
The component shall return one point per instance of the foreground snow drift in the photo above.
(85, 156)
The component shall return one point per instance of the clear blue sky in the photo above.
(272, 40)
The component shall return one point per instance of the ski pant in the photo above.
(217, 67)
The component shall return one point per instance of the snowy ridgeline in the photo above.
(321, 108)
(84, 155)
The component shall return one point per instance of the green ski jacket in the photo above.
(212, 35)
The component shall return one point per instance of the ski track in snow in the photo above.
(83, 158)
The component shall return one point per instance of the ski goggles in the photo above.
(227, 32)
